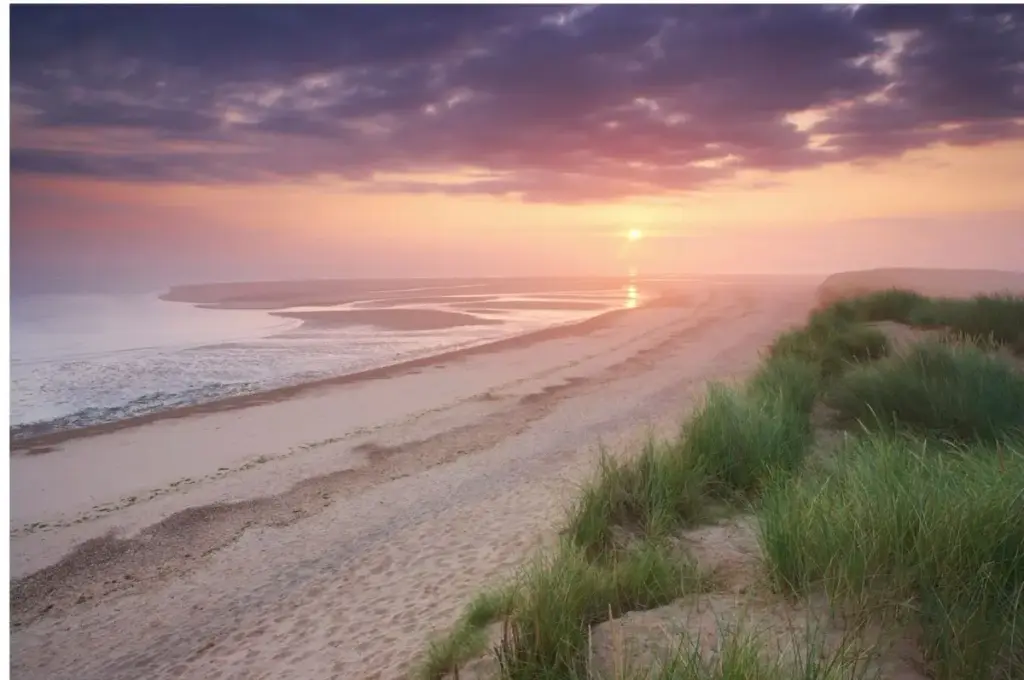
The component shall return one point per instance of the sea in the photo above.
(87, 359)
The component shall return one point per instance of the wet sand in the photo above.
(328, 530)
(388, 319)
(530, 304)
(30, 443)
(279, 294)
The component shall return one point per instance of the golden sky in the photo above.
(515, 140)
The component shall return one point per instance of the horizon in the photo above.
(154, 146)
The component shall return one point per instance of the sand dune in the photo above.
(932, 282)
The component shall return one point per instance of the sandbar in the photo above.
(388, 319)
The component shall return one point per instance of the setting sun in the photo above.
(634, 235)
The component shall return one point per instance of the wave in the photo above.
(146, 404)
(100, 383)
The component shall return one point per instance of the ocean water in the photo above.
(78, 360)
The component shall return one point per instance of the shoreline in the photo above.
(284, 538)
(41, 443)
(333, 534)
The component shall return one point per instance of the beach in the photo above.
(332, 529)
(329, 531)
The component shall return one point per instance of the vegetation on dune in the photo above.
(738, 442)
(953, 391)
(730, 447)
(559, 597)
(922, 531)
(886, 305)
(793, 380)
(654, 494)
(995, 318)
(832, 340)
(468, 638)
(743, 655)
(919, 518)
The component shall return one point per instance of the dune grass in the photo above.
(468, 637)
(921, 517)
(887, 305)
(831, 340)
(790, 379)
(743, 654)
(942, 390)
(547, 611)
(558, 598)
(653, 494)
(739, 441)
(998, 318)
(899, 527)
(732, 444)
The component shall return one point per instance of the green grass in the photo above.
(559, 597)
(732, 444)
(920, 518)
(831, 340)
(902, 528)
(743, 655)
(952, 391)
(467, 639)
(887, 305)
(999, 318)
(739, 441)
(791, 379)
(660, 490)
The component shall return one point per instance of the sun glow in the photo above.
(632, 296)
(634, 234)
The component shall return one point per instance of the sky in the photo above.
(169, 144)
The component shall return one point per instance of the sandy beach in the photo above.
(328, 531)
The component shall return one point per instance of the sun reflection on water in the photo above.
(632, 296)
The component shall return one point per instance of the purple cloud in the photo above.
(555, 103)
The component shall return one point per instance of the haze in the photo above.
(158, 145)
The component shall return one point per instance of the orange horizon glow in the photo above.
(355, 167)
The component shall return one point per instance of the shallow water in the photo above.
(78, 360)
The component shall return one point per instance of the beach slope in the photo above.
(327, 531)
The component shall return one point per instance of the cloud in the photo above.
(554, 103)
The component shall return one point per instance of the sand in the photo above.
(329, 531)
(388, 319)
(326, 292)
(530, 304)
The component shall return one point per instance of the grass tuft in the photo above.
(998, 317)
(467, 639)
(653, 494)
(902, 528)
(730, 447)
(951, 391)
(792, 380)
(559, 597)
(831, 341)
(742, 655)
(739, 442)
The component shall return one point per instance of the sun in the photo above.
(634, 234)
